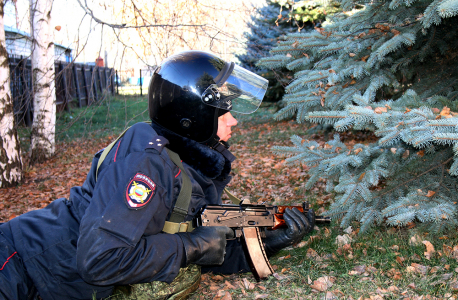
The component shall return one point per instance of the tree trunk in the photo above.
(10, 153)
(43, 73)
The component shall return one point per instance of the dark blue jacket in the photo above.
(96, 239)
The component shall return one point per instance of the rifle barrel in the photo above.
(322, 219)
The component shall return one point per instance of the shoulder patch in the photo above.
(139, 191)
(157, 143)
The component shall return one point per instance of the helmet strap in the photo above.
(222, 147)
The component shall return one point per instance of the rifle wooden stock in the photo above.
(249, 221)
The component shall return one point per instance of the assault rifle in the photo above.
(249, 222)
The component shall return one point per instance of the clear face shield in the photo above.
(239, 91)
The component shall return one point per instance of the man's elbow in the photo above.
(94, 274)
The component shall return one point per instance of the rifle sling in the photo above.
(184, 197)
(106, 151)
(234, 199)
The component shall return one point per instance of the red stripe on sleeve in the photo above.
(117, 150)
(179, 171)
(7, 260)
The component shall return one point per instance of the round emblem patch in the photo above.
(139, 191)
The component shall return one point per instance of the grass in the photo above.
(107, 117)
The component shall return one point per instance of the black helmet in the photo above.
(191, 89)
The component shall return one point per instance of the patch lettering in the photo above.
(139, 191)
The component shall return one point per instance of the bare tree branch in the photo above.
(123, 26)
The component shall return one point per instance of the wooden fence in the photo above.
(76, 85)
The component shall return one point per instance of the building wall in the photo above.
(19, 45)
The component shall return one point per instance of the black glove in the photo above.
(298, 226)
(206, 246)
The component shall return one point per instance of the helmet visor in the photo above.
(242, 92)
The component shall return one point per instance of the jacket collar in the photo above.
(204, 160)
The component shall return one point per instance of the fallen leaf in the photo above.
(312, 254)
(394, 274)
(58, 27)
(454, 285)
(358, 270)
(430, 194)
(379, 110)
(420, 268)
(351, 54)
(429, 249)
(352, 272)
(358, 150)
(227, 296)
(393, 288)
(217, 278)
(343, 240)
(301, 244)
(415, 240)
(416, 257)
(371, 269)
(348, 230)
(229, 285)
(323, 283)
(261, 296)
(248, 285)
(435, 269)
(405, 154)
(364, 58)
(447, 250)
(279, 277)
(445, 112)
(400, 260)
(446, 276)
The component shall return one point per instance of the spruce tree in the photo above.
(390, 68)
(269, 25)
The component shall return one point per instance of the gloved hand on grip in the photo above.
(298, 226)
(206, 246)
